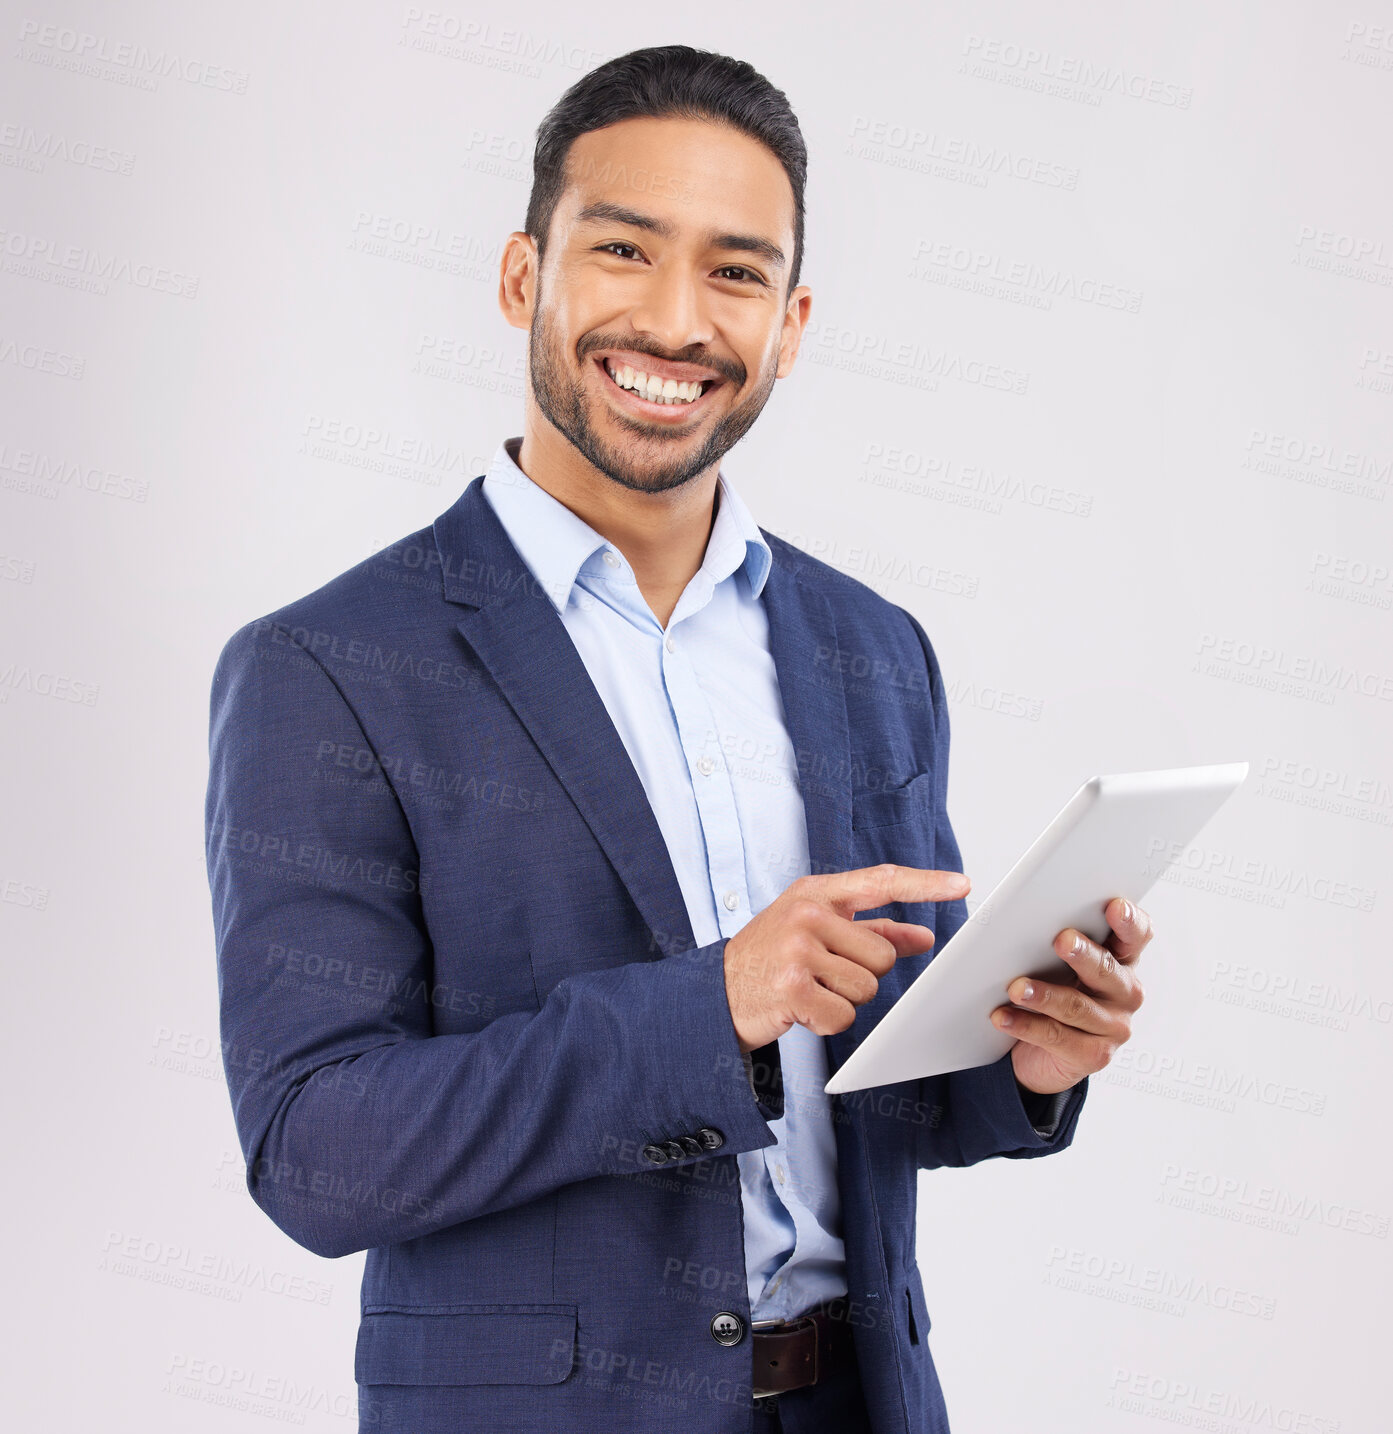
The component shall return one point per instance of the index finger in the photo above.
(870, 886)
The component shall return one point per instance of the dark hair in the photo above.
(661, 81)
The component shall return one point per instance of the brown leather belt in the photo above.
(789, 1354)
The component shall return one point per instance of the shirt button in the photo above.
(611, 559)
(731, 899)
(670, 644)
(779, 1173)
(704, 766)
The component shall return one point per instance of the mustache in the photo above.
(734, 372)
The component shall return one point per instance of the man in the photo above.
(560, 851)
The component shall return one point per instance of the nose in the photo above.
(672, 309)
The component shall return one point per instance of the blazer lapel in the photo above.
(519, 636)
(803, 643)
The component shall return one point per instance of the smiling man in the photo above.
(560, 851)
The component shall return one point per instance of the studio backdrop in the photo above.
(1098, 384)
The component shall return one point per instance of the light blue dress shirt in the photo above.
(698, 708)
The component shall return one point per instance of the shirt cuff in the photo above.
(1044, 1111)
(766, 1079)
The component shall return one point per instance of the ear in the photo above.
(517, 279)
(800, 304)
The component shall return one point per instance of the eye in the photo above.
(738, 269)
(616, 244)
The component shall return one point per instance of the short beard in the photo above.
(562, 400)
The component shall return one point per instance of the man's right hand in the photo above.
(805, 961)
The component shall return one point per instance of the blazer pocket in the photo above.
(893, 806)
(919, 1321)
(467, 1344)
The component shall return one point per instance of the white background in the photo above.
(1099, 384)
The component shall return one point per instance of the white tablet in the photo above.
(1114, 837)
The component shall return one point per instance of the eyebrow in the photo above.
(606, 211)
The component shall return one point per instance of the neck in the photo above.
(662, 535)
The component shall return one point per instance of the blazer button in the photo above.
(710, 1137)
(656, 1154)
(727, 1327)
(674, 1150)
(691, 1144)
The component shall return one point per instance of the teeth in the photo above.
(651, 387)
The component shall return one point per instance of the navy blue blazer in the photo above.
(465, 1025)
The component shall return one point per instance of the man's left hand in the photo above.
(1068, 1032)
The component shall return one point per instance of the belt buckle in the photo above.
(765, 1324)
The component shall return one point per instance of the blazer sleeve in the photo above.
(360, 1127)
(982, 1112)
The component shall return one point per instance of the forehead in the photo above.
(698, 175)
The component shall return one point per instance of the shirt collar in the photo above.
(556, 544)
